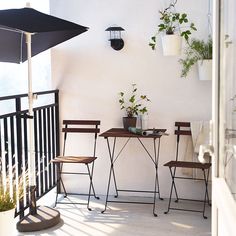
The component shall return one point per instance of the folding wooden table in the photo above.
(116, 133)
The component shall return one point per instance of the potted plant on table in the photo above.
(198, 52)
(133, 106)
(170, 25)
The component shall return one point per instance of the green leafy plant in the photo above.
(134, 104)
(196, 50)
(171, 22)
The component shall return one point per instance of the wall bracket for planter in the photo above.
(117, 43)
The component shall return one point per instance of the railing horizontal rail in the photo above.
(26, 94)
(25, 111)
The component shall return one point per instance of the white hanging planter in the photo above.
(204, 69)
(7, 223)
(171, 44)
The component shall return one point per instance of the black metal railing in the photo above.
(14, 139)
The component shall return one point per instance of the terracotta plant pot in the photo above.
(129, 122)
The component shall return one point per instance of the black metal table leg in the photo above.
(157, 155)
(113, 158)
(94, 194)
(171, 189)
(111, 155)
(155, 189)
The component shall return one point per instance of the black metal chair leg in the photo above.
(206, 194)
(206, 184)
(90, 187)
(62, 183)
(55, 204)
(171, 189)
(59, 180)
(173, 177)
(94, 194)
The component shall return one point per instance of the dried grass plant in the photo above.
(11, 188)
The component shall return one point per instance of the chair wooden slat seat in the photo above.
(187, 164)
(74, 159)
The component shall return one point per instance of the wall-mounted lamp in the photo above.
(117, 42)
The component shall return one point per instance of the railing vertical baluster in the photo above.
(40, 152)
(1, 151)
(19, 134)
(49, 144)
(45, 149)
(12, 132)
(53, 143)
(12, 157)
(19, 147)
(6, 156)
(36, 151)
(57, 122)
(0, 145)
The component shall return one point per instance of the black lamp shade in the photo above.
(117, 44)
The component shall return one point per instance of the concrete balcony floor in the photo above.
(128, 219)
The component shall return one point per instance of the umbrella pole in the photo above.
(32, 182)
(41, 217)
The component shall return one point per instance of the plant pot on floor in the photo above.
(129, 122)
(7, 222)
(204, 69)
(171, 44)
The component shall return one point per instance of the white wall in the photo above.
(89, 74)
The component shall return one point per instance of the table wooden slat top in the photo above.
(120, 132)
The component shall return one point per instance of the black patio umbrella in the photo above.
(25, 33)
(46, 31)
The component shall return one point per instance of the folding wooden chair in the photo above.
(79, 127)
(183, 128)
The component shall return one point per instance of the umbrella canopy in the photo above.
(47, 31)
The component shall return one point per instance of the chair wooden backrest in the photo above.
(81, 126)
(181, 128)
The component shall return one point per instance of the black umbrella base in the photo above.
(46, 217)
